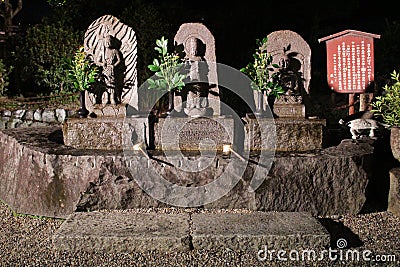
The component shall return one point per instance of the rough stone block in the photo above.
(206, 133)
(105, 133)
(41, 176)
(123, 232)
(394, 192)
(292, 134)
(253, 231)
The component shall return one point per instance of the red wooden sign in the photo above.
(350, 61)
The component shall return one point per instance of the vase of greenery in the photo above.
(82, 73)
(387, 107)
(263, 76)
(169, 72)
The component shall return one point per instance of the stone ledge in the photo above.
(33, 118)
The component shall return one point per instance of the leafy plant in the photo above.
(82, 72)
(41, 56)
(167, 68)
(261, 71)
(4, 77)
(387, 106)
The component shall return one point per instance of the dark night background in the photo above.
(237, 24)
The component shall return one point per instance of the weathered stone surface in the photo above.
(394, 192)
(105, 133)
(253, 231)
(325, 182)
(292, 134)
(184, 133)
(19, 114)
(61, 114)
(49, 116)
(29, 115)
(7, 113)
(39, 175)
(123, 232)
(37, 115)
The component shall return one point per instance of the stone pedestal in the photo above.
(289, 107)
(192, 134)
(290, 110)
(292, 134)
(101, 111)
(394, 192)
(105, 133)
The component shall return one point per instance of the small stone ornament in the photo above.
(360, 128)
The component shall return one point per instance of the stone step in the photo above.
(132, 231)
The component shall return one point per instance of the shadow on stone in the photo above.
(378, 186)
(57, 137)
(338, 230)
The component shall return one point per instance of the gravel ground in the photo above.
(26, 241)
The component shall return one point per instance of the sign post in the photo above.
(350, 62)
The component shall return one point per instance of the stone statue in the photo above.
(197, 84)
(293, 55)
(203, 97)
(110, 59)
(112, 46)
(289, 75)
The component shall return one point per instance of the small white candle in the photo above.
(137, 147)
(226, 149)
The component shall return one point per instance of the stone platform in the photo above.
(192, 134)
(39, 175)
(137, 231)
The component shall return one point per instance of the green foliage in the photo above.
(41, 57)
(167, 69)
(261, 71)
(4, 77)
(81, 71)
(56, 3)
(387, 106)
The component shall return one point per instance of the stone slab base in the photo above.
(41, 176)
(394, 192)
(192, 134)
(105, 133)
(123, 232)
(253, 231)
(292, 134)
(132, 231)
